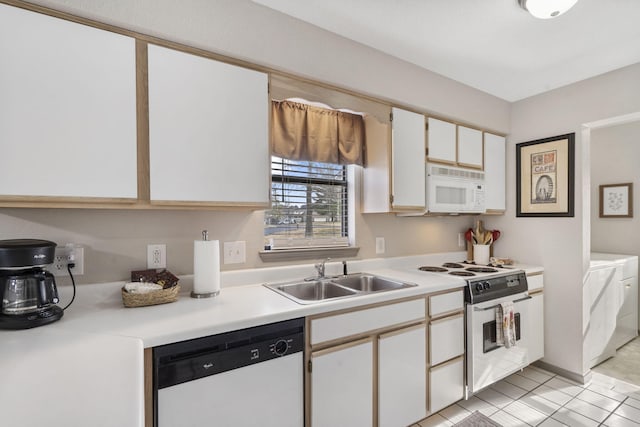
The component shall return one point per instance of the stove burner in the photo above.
(461, 273)
(482, 269)
(433, 269)
(452, 265)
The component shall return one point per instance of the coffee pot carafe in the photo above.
(28, 291)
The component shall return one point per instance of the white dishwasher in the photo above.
(250, 377)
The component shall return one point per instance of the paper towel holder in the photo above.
(205, 238)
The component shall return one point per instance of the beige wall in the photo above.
(615, 159)
(562, 245)
(116, 241)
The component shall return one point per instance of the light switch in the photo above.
(235, 252)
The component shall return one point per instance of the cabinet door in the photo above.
(376, 179)
(208, 130)
(402, 377)
(447, 338)
(442, 141)
(408, 160)
(603, 302)
(535, 330)
(627, 320)
(67, 109)
(446, 384)
(342, 385)
(494, 172)
(469, 147)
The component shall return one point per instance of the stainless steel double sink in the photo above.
(331, 288)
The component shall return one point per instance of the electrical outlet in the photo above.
(235, 252)
(380, 249)
(461, 240)
(156, 256)
(65, 255)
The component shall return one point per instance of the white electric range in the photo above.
(487, 286)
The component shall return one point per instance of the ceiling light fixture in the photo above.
(546, 9)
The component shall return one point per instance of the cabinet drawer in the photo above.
(446, 384)
(358, 322)
(446, 303)
(446, 338)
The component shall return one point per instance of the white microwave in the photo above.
(454, 190)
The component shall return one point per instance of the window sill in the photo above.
(280, 255)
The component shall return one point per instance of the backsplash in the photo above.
(115, 241)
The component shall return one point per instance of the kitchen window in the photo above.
(309, 205)
(313, 147)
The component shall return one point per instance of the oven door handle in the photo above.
(498, 305)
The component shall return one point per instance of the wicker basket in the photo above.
(161, 296)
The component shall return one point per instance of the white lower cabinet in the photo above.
(402, 377)
(342, 385)
(446, 384)
(627, 319)
(385, 365)
(447, 338)
(535, 333)
(368, 366)
(446, 349)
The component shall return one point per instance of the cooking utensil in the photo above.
(495, 234)
(468, 235)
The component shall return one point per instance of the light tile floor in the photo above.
(535, 397)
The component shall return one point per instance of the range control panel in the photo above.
(493, 287)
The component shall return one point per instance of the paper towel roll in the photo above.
(206, 268)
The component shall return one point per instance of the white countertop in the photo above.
(598, 258)
(99, 341)
(626, 265)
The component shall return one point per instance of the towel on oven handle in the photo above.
(505, 325)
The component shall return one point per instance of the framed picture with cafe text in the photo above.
(545, 177)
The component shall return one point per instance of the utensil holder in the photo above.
(481, 254)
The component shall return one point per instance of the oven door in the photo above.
(487, 362)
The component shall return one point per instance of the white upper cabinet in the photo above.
(208, 130)
(441, 140)
(469, 147)
(454, 144)
(408, 159)
(494, 172)
(67, 109)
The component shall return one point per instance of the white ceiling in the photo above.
(492, 45)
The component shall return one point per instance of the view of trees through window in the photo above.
(308, 200)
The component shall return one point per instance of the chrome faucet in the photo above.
(320, 268)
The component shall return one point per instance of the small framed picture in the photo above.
(616, 200)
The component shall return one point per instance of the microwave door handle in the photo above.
(498, 305)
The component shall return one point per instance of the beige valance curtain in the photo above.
(304, 132)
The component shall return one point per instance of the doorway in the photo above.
(614, 152)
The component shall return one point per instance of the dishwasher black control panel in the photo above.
(189, 360)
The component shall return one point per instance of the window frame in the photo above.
(285, 172)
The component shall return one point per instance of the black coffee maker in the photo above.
(28, 291)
